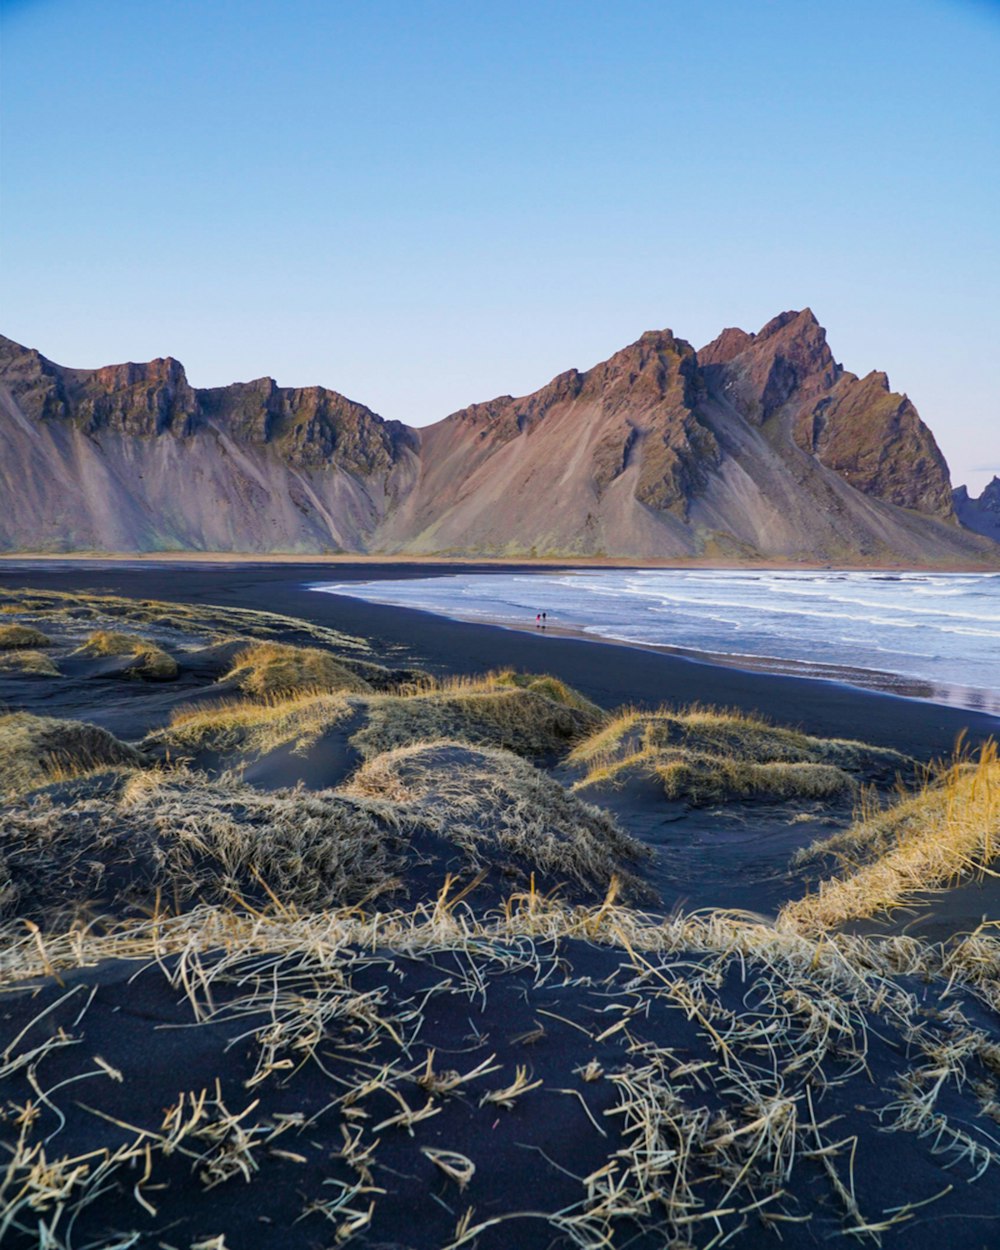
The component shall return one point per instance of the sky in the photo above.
(426, 203)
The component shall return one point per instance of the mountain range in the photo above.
(756, 446)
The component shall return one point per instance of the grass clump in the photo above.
(709, 778)
(533, 716)
(183, 839)
(502, 812)
(254, 725)
(273, 670)
(38, 750)
(151, 663)
(705, 754)
(926, 841)
(17, 637)
(36, 663)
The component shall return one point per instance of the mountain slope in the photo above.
(132, 458)
(759, 445)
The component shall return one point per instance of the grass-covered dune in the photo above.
(309, 943)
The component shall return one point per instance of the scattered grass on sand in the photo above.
(272, 670)
(15, 637)
(38, 750)
(208, 620)
(503, 812)
(694, 1079)
(705, 754)
(34, 662)
(949, 829)
(152, 663)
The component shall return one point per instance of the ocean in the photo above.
(932, 636)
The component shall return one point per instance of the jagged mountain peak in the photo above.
(760, 444)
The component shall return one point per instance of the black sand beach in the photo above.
(610, 674)
(419, 975)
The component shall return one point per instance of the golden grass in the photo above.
(110, 642)
(36, 662)
(950, 829)
(698, 1141)
(501, 810)
(14, 637)
(703, 778)
(254, 725)
(530, 716)
(152, 663)
(38, 750)
(704, 754)
(209, 620)
(272, 670)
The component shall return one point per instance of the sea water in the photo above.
(925, 635)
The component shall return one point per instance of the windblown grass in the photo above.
(950, 829)
(183, 838)
(34, 662)
(503, 812)
(38, 750)
(724, 1046)
(210, 621)
(254, 725)
(272, 670)
(705, 754)
(15, 637)
(703, 778)
(151, 663)
(533, 716)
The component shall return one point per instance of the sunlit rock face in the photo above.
(756, 446)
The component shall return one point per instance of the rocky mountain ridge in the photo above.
(983, 514)
(756, 446)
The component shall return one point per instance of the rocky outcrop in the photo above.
(983, 514)
(758, 445)
(857, 427)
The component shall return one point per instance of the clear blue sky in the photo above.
(423, 203)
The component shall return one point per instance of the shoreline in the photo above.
(617, 675)
(526, 562)
(878, 681)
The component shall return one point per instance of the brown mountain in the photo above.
(759, 445)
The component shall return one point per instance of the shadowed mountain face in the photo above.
(759, 445)
(982, 514)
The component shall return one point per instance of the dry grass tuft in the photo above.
(925, 841)
(181, 838)
(704, 754)
(703, 778)
(38, 750)
(273, 670)
(254, 725)
(533, 716)
(503, 812)
(15, 637)
(152, 663)
(110, 642)
(34, 662)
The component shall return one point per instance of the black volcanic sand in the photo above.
(243, 1090)
(736, 856)
(611, 675)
